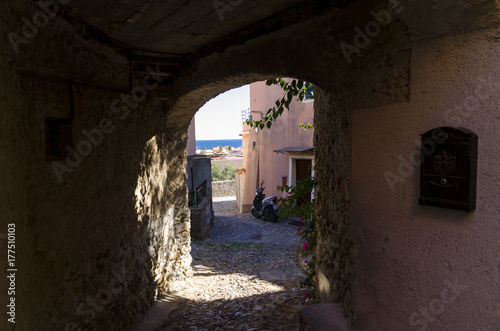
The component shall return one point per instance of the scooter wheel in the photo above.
(254, 213)
(270, 215)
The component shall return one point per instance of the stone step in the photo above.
(323, 317)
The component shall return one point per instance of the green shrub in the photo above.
(219, 175)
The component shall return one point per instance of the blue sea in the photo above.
(235, 143)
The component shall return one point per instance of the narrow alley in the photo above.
(246, 277)
(96, 102)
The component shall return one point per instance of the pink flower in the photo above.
(305, 246)
(301, 219)
(306, 294)
(305, 261)
(308, 240)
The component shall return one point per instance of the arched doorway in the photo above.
(117, 210)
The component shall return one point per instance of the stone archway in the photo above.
(102, 229)
(335, 245)
(128, 233)
(337, 93)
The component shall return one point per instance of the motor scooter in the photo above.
(262, 206)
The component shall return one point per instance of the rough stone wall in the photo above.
(225, 188)
(161, 204)
(332, 154)
(95, 243)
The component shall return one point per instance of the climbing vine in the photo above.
(296, 88)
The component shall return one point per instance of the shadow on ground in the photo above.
(246, 277)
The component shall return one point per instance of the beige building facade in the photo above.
(278, 155)
(191, 140)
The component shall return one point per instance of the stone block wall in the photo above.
(225, 188)
(202, 218)
(199, 171)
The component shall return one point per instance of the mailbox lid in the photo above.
(445, 188)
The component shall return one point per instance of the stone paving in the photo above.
(246, 277)
(230, 226)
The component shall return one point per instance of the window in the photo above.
(309, 92)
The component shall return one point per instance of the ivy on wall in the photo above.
(296, 88)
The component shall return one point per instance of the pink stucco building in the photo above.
(279, 155)
(191, 140)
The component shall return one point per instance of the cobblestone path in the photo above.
(246, 277)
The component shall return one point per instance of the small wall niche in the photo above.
(58, 138)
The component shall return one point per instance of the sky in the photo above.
(220, 118)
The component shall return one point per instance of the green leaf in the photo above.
(270, 82)
(290, 90)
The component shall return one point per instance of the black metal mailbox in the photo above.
(449, 169)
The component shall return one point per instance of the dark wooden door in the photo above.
(303, 170)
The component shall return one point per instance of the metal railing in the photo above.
(246, 115)
(195, 197)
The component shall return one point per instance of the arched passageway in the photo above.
(104, 229)
(245, 272)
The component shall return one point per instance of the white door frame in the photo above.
(292, 164)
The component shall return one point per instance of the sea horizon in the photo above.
(209, 143)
